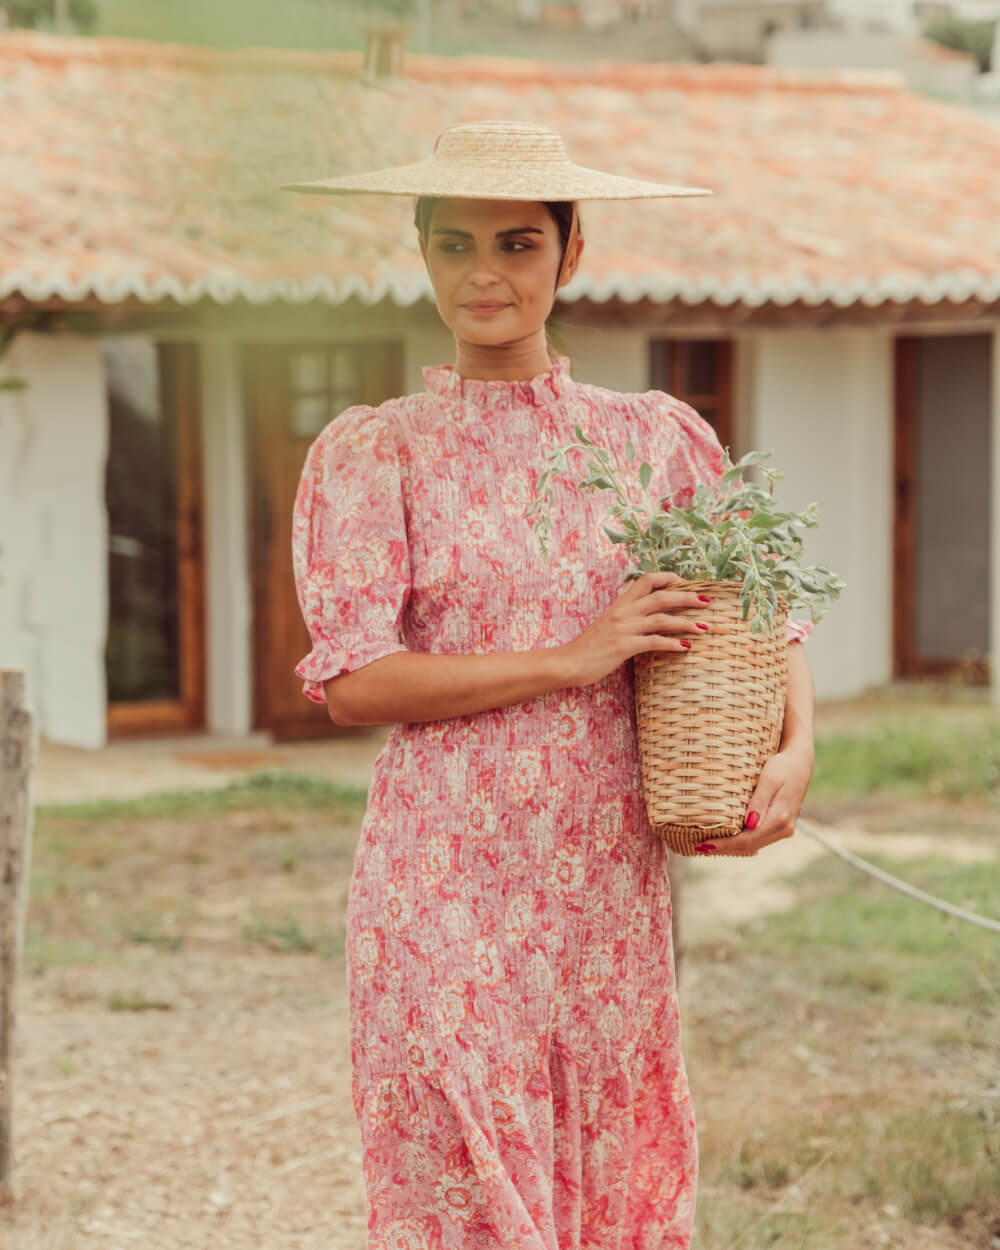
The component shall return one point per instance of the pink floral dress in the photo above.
(517, 1072)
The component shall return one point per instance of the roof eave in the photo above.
(227, 287)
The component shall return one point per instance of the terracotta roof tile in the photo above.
(150, 170)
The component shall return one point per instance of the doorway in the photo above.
(154, 655)
(943, 406)
(292, 392)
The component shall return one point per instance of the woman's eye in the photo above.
(517, 245)
(452, 247)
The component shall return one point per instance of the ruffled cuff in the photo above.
(799, 631)
(327, 660)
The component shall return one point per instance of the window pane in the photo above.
(310, 413)
(701, 365)
(345, 373)
(143, 646)
(308, 371)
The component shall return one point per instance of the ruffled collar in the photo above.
(553, 383)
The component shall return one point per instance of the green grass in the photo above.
(288, 934)
(853, 933)
(48, 950)
(911, 759)
(137, 1002)
(293, 24)
(935, 1166)
(262, 791)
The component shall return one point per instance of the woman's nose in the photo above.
(482, 275)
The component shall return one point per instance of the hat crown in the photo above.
(498, 140)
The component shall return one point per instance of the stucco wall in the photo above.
(822, 401)
(53, 532)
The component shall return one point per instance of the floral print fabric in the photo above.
(517, 1072)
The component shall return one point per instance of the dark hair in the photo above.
(561, 212)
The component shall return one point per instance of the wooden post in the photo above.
(17, 750)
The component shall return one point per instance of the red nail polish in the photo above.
(700, 626)
(685, 643)
(704, 599)
(705, 848)
(753, 820)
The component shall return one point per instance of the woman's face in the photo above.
(493, 266)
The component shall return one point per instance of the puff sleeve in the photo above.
(707, 460)
(350, 554)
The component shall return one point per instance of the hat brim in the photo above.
(500, 180)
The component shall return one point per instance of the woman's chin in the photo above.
(490, 335)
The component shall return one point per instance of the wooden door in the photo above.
(943, 408)
(292, 392)
(155, 651)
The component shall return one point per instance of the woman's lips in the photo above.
(485, 306)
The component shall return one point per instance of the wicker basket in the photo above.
(708, 719)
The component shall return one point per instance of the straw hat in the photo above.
(496, 160)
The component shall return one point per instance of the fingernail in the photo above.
(753, 820)
(705, 848)
(704, 599)
(700, 626)
(685, 643)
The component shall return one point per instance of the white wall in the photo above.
(618, 359)
(228, 605)
(822, 402)
(53, 532)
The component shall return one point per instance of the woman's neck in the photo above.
(506, 362)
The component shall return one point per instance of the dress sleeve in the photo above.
(350, 554)
(707, 461)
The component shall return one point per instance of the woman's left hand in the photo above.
(777, 800)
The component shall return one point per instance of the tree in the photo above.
(973, 37)
(49, 14)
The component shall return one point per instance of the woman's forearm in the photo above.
(800, 702)
(410, 686)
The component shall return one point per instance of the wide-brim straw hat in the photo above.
(496, 160)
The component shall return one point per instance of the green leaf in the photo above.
(645, 474)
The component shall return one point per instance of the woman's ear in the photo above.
(571, 261)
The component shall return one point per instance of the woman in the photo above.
(514, 1026)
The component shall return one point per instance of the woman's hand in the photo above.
(640, 619)
(775, 802)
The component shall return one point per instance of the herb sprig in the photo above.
(732, 530)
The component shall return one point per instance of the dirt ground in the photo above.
(190, 1087)
(182, 1071)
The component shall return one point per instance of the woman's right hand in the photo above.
(641, 618)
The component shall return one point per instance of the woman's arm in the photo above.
(775, 803)
(800, 704)
(410, 686)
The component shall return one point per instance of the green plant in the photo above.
(974, 37)
(730, 531)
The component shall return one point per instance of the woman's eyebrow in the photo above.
(500, 234)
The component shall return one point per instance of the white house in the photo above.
(742, 28)
(183, 330)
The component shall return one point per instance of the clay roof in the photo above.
(142, 170)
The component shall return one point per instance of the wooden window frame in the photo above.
(674, 358)
(187, 712)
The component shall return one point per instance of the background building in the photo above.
(182, 331)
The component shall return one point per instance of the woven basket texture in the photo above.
(708, 720)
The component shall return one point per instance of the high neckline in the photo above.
(550, 384)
